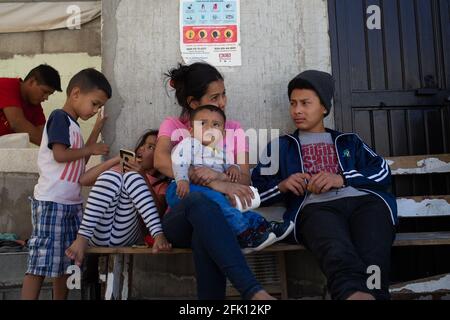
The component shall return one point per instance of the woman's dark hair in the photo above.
(191, 81)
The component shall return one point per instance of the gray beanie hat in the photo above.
(321, 82)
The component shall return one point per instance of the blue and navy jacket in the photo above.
(363, 169)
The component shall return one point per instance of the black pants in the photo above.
(347, 236)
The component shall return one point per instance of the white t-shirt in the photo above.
(59, 182)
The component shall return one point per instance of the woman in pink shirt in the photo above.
(197, 222)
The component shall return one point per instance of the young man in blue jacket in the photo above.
(335, 189)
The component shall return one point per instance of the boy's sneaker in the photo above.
(256, 241)
(281, 229)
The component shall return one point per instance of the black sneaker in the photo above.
(257, 241)
(281, 229)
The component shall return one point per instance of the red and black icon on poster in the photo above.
(210, 34)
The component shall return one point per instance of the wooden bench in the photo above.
(119, 276)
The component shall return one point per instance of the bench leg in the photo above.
(119, 279)
(126, 274)
(283, 278)
(90, 288)
(113, 278)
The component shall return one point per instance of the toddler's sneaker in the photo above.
(281, 229)
(256, 241)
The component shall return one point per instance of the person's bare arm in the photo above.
(63, 154)
(162, 160)
(19, 124)
(204, 176)
(244, 193)
(41, 130)
(93, 137)
(245, 178)
(89, 177)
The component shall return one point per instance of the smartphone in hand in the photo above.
(125, 156)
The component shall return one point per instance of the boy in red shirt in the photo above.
(20, 102)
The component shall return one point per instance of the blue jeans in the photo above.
(198, 222)
(238, 221)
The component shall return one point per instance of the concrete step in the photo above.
(12, 270)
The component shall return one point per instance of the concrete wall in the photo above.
(15, 210)
(87, 39)
(69, 51)
(18, 176)
(140, 41)
(12, 270)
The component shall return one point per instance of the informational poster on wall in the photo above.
(210, 32)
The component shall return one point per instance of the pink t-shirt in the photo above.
(177, 130)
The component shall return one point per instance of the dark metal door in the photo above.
(391, 61)
(393, 74)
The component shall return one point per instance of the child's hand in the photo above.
(161, 244)
(101, 118)
(132, 166)
(98, 149)
(203, 176)
(182, 188)
(234, 174)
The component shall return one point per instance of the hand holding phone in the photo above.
(126, 156)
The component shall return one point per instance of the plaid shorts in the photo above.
(55, 227)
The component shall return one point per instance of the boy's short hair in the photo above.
(45, 75)
(88, 80)
(209, 107)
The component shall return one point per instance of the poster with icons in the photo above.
(210, 32)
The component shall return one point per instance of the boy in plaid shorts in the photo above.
(57, 203)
